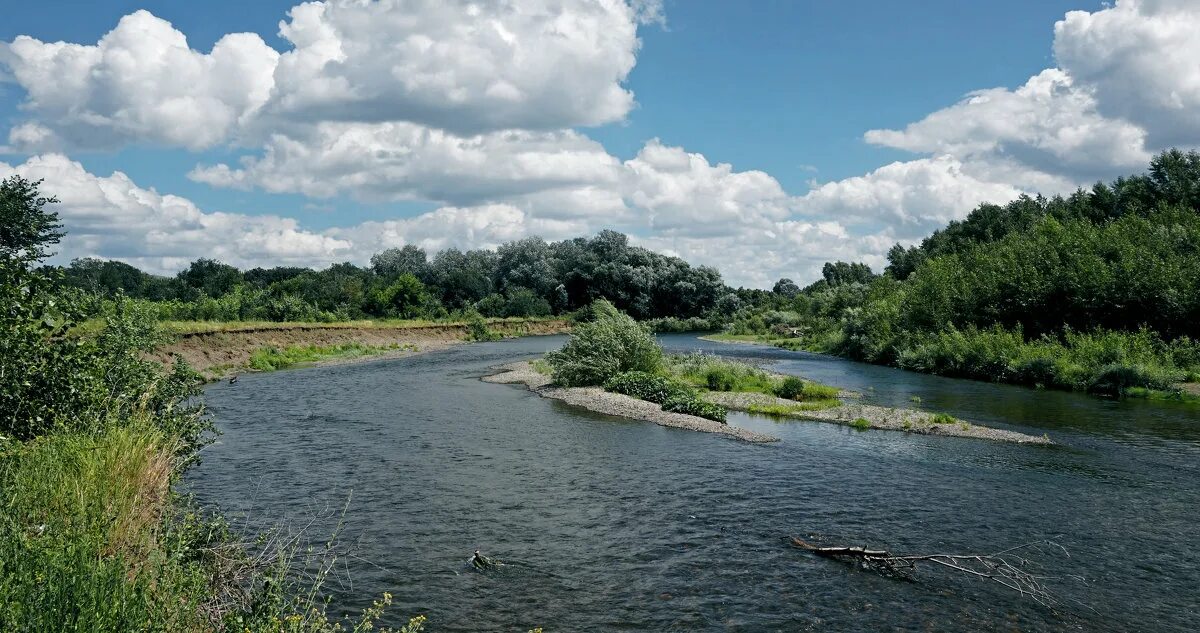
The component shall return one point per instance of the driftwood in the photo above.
(1006, 567)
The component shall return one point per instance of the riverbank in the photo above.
(1104, 380)
(227, 348)
(601, 401)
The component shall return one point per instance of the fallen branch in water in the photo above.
(1006, 567)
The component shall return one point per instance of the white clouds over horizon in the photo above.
(475, 108)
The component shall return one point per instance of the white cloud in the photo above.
(677, 192)
(112, 217)
(1141, 59)
(404, 161)
(140, 82)
(457, 65)
(914, 198)
(450, 64)
(1048, 124)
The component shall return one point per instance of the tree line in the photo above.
(523, 278)
(1098, 290)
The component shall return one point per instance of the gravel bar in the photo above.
(886, 418)
(601, 401)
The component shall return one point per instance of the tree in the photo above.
(839, 273)
(523, 302)
(786, 287)
(406, 297)
(210, 277)
(26, 227)
(394, 262)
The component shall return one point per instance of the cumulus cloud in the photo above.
(678, 192)
(914, 198)
(140, 82)
(112, 217)
(404, 161)
(462, 66)
(1127, 85)
(1049, 124)
(1141, 60)
(458, 65)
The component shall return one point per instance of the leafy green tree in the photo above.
(27, 228)
(405, 297)
(786, 288)
(210, 277)
(394, 262)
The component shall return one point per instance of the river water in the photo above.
(611, 524)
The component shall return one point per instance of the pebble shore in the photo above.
(601, 401)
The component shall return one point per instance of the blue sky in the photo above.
(788, 89)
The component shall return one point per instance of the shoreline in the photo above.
(877, 417)
(220, 354)
(600, 401)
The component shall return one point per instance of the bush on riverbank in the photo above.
(604, 347)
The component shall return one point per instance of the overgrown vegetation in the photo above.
(609, 344)
(92, 437)
(1098, 291)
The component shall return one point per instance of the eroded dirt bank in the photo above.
(218, 353)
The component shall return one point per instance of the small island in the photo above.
(613, 365)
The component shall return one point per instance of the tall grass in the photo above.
(81, 535)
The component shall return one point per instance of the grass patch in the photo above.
(861, 424)
(942, 418)
(714, 373)
(542, 367)
(273, 358)
(792, 410)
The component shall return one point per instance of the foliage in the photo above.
(691, 405)
(1098, 291)
(942, 418)
(92, 435)
(793, 388)
(26, 227)
(861, 424)
(716, 373)
(645, 386)
(478, 330)
(598, 350)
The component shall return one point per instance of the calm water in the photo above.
(617, 525)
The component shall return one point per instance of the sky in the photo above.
(763, 137)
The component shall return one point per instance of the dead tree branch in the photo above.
(1008, 568)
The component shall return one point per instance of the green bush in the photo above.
(645, 386)
(942, 418)
(598, 350)
(720, 379)
(861, 424)
(692, 405)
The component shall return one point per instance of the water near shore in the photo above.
(611, 524)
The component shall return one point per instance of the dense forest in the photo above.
(525, 278)
(1096, 291)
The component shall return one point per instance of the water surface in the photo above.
(610, 524)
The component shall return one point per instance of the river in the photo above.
(611, 524)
